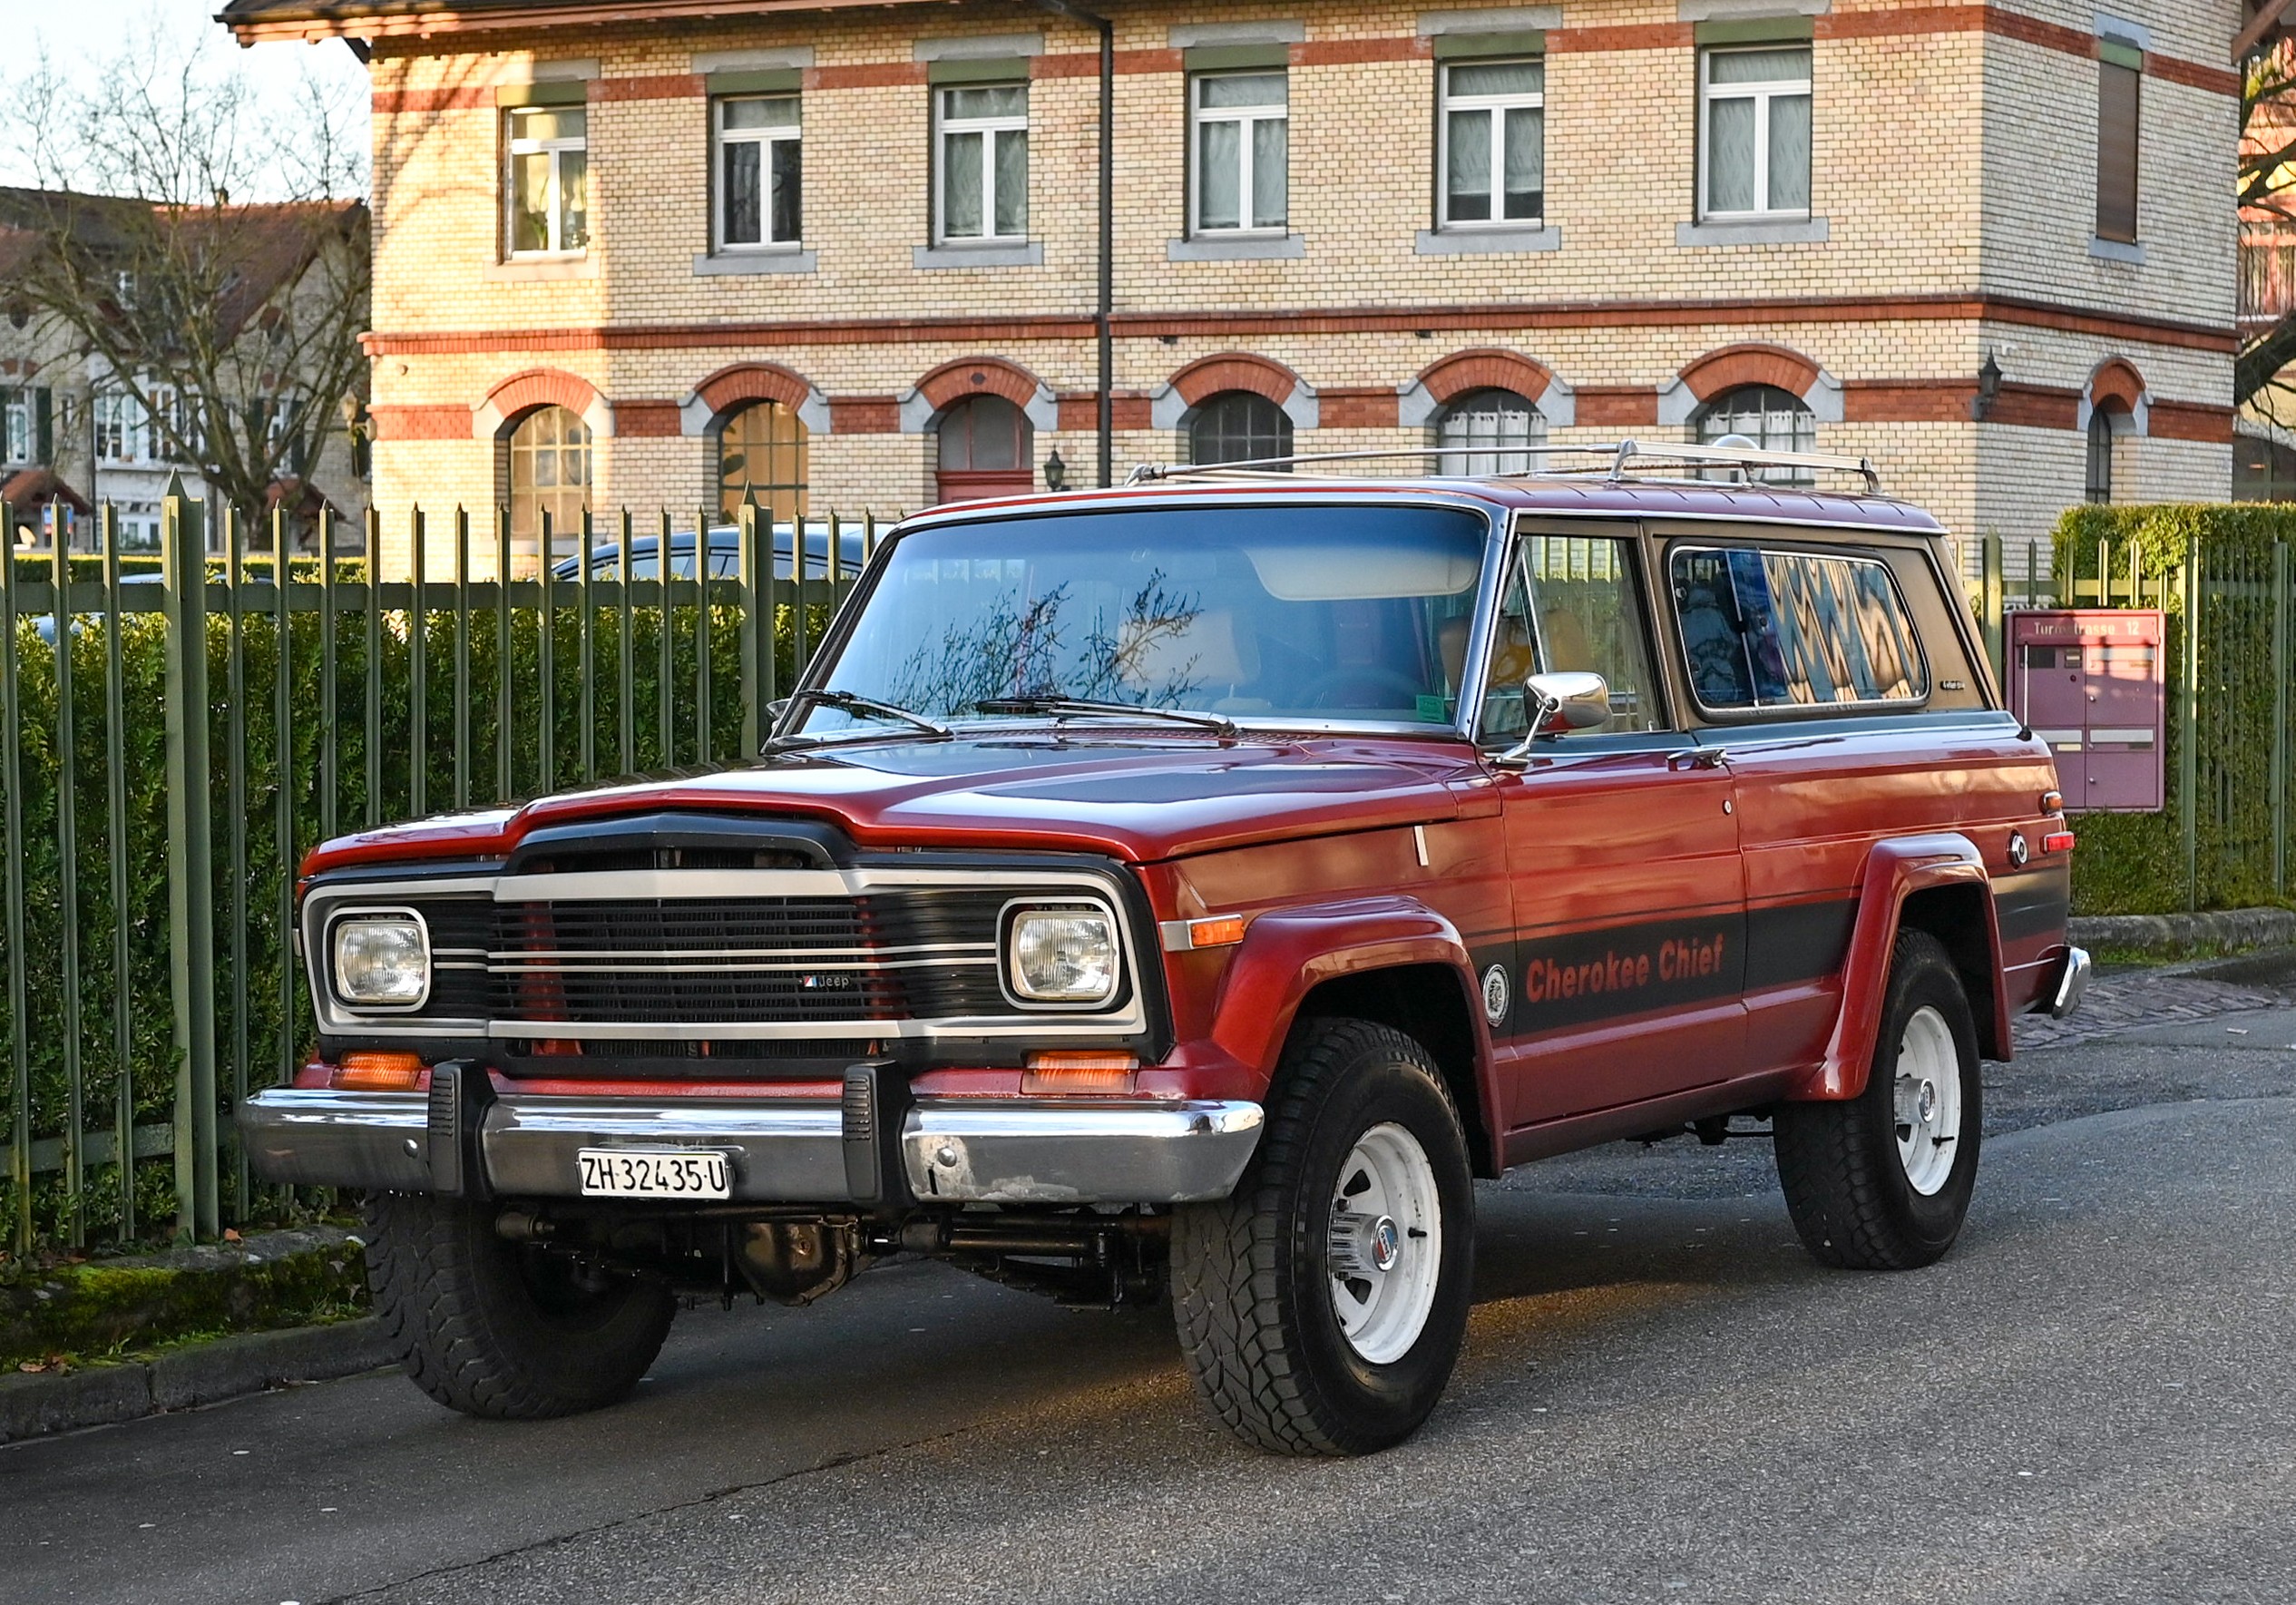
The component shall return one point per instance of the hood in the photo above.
(1136, 798)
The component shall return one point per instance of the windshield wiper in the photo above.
(861, 706)
(1079, 708)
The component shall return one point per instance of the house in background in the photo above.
(73, 437)
(650, 253)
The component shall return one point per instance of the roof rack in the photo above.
(1621, 456)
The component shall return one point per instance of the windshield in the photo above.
(1316, 613)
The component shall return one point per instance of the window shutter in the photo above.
(2117, 87)
(7, 398)
(43, 427)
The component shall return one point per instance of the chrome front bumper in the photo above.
(972, 1152)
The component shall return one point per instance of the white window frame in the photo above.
(1247, 118)
(554, 212)
(1762, 95)
(16, 427)
(120, 410)
(988, 128)
(765, 139)
(1498, 105)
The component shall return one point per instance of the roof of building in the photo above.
(268, 243)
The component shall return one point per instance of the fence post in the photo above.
(12, 781)
(2280, 719)
(190, 878)
(2188, 767)
(753, 626)
(1993, 604)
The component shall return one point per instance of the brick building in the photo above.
(652, 253)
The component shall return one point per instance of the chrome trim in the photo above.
(2072, 984)
(319, 1137)
(988, 1152)
(337, 916)
(970, 1151)
(1008, 974)
(336, 1019)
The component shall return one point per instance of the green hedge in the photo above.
(2135, 863)
(266, 1032)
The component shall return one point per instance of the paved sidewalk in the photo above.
(2122, 1002)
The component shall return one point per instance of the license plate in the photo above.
(653, 1173)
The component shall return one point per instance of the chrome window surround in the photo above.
(1051, 904)
(337, 1018)
(337, 916)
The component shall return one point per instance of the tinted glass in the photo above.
(1785, 630)
(1345, 612)
(1572, 606)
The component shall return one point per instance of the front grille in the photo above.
(912, 953)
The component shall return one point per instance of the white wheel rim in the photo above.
(1386, 1243)
(1928, 1100)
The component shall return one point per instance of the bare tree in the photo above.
(2267, 193)
(205, 251)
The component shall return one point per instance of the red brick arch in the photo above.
(951, 382)
(745, 382)
(1201, 380)
(1487, 369)
(522, 393)
(1750, 364)
(2115, 386)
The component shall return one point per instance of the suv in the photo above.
(1197, 885)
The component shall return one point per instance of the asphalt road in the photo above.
(1662, 1398)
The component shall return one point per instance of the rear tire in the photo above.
(1883, 1182)
(1321, 1308)
(501, 1329)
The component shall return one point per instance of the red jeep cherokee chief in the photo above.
(1198, 884)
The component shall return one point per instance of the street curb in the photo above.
(33, 1406)
(2180, 935)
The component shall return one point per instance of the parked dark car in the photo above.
(725, 554)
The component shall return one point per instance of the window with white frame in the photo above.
(1489, 432)
(548, 182)
(1494, 140)
(16, 426)
(1242, 162)
(760, 165)
(124, 432)
(1754, 138)
(983, 173)
(1771, 418)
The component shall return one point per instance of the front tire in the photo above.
(1883, 1182)
(501, 1329)
(1322, 1305)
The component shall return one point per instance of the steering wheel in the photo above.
(1368, 685)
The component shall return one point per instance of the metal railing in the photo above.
(170, 750)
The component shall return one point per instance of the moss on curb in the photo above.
(108, 1310)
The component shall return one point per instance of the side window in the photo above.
(1572, 605)
(1794, 630)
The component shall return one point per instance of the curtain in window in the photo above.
(1526, 162)
(1220, 184)
(1483, 426)
(961, 186)
(1730, 156)
(1271, 172)
(1790, 153)
(1012, 183)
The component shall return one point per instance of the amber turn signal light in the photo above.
(1224, 930)
(1080, 1070)
(2057, 841)
(378, 1072)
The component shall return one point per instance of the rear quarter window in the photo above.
(1764, 629)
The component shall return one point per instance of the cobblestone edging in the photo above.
(30, 1406)
(2175, 936)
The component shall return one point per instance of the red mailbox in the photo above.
(2089, 681)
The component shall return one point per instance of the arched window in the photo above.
(1485, 431)
(762, 457)
(1238, 426)
(548, 473)
(1773, 419)
(988, 448)
(2098, 486)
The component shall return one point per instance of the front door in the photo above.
(1622, 847)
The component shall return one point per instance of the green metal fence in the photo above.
(172, 743)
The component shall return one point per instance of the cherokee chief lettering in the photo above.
(1679, 959)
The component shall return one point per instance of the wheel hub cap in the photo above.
(1385, 1243)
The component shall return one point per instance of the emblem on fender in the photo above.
(1495, 993)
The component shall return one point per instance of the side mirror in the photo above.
(1567, 702)
(1557, 704)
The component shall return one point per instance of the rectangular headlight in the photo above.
(382, 960)
(1062, 955)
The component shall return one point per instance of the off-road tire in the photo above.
(492, 1328)
(1845, 1184)
(1250, 1274)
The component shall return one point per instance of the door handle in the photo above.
(1699, 758)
